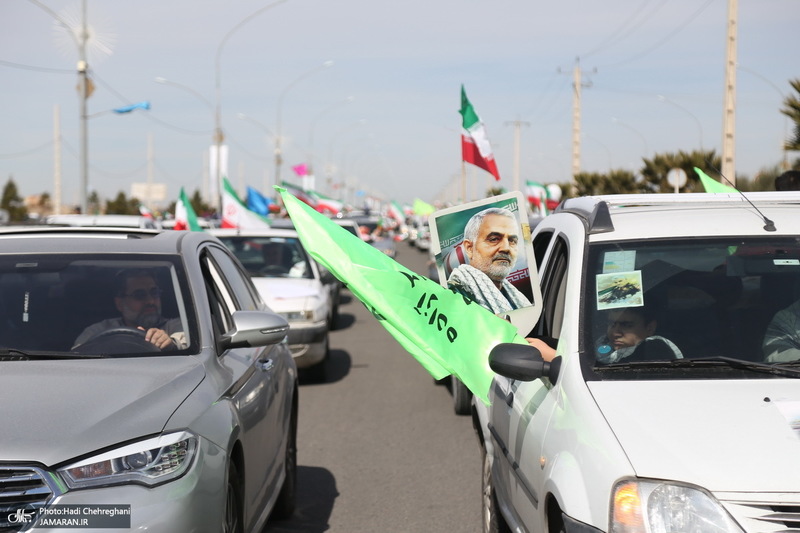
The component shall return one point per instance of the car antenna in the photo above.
(768, 224)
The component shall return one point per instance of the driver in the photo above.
(138, 299)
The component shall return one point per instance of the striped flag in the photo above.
(475, 147)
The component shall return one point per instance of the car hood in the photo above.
(55, 411)
(724, 435)
(289, 294)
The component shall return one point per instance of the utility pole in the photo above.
(577, 84)
(517, 127)
(57, 160)
(729, 111)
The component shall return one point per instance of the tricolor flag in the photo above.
(301, 195)
(445, 332)
(395, 212)
(235, 214)
(185, 217)
(475, 147)
(145, 212)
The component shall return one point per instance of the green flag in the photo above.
(422, 208)
(445, 332)
(712, 185)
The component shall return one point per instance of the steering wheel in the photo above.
(118, 340)
(274, 270)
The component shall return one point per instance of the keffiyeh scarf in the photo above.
(485, 292)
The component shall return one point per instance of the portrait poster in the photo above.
(450, 252)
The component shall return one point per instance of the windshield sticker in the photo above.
(622, 289)
(619, 261)
(786, 262)
(791, 411)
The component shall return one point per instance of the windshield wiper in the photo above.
(711, 361)
(12, 354)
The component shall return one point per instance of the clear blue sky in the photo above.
(403, 64)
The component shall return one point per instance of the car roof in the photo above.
(265, 232)
(44, 239)
(619, 217)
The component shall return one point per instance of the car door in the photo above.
(256, 390)
(521, 410)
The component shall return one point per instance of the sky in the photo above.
(381, 119)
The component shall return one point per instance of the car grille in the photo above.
(21, 487)
(767, 517)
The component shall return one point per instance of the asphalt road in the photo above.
(379, 446)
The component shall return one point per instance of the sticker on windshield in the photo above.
(620, 289)
(619, 261)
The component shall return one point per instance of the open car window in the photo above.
(73, 304)
(673, 301)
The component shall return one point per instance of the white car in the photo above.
(293, 285)
(673, 402)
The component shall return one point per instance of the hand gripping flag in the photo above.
(445, 332)
(475, 147)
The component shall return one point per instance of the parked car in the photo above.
(672, 400)
(292, 284)
(197, 436)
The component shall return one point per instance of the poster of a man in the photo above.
(483, 251)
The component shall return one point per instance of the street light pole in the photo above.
(219, 135)
(278, 153)
(242, 116)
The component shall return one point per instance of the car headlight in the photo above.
(298, 316)
(148, 462)
(661, 507)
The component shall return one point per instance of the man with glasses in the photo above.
(138, 299)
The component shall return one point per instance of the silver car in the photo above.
(194, 431)
(293, 285)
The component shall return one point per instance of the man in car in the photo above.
(138, 299)
(491, 239)
(631, 335)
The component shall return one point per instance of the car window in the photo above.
(726, 297)
(268, 256)
(554, 284)
(58, 303)
(237, 281)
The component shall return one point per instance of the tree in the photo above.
(656, 169)
(122, 206)
(12, 203)
(615, 182)
(791, 108)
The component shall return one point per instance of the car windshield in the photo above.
(672, 305)
(271, 257)
(91, 305)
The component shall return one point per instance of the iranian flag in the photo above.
(235, 214)
(185, 217)
(475, 147)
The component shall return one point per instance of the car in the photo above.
(199, 435)
(294, 285)
(423, 239)
(112, 221)
(671, 401)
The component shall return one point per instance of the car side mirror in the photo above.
(255, 328)
(522, 362)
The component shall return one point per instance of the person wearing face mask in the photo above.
(491, 240)
(630, 335)
(138, 299)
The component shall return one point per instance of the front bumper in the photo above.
(194, 502)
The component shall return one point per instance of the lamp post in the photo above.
(329, 167)
(219, 135)
(313, 127)
(278, 154)
(664, 99)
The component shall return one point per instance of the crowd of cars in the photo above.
(592, 439)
